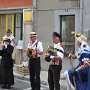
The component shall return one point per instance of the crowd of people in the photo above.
(54, 56)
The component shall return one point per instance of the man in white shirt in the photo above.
(34, 60)
(55, 66)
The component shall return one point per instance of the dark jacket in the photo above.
(7, 65)
(6, 54)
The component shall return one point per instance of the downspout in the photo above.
(81, 15)
(34, 16)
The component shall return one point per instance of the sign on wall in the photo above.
(27, 15)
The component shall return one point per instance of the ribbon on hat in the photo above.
(80, 37)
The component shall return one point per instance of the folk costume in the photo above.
(34, 62)
(82, 77)
(7, 65)
(55, 66)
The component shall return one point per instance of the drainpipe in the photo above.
(34, 15)
(81, 15)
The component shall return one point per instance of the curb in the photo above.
(22, 77)
(44, 82)
(43, 78)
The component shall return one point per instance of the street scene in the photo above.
(44, 44)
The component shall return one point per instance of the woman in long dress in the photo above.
(7, 65)
(82, 71)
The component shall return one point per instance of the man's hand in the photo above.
(46, 54)
(34, 53)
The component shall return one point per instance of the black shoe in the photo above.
(8, 87)
(3, 86)
(32, 89)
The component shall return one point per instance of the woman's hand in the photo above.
(86, 63)
(72, 56)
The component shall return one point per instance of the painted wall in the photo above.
(57, 4)
(48, 12)
(15, 3)
(86, 18)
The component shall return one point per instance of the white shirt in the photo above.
(60, 54)
(11, 37)
(33, 46)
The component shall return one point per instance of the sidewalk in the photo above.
(43, 76)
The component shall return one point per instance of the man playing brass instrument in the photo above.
(35, 49)
(55, 66)
(52, 52)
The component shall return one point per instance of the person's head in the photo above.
(56, 37)
(8, 33)
(80, 38)
(33, 36)
(7, 41)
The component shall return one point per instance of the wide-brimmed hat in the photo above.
(80, 37)
(33, 34)
(7, 40)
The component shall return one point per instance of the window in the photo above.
(18, 26)
(13, 22)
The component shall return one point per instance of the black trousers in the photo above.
(0, 73)
(34, 67)
(54, 77)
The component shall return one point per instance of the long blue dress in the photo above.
(82, 78)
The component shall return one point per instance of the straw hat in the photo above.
(80, 37)
(33, 34)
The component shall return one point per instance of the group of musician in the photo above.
(54, 56)
(55, 66)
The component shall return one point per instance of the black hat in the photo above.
(56, 34)
(9, 31)
(7, 40)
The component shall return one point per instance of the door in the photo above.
(67, 23)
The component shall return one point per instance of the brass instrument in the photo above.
(29, 53)
(52, 51)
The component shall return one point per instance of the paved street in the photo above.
(24, 85)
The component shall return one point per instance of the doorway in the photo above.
(67, 29)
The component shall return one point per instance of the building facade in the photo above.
(12, 16)
(64, 16)
(17, 16)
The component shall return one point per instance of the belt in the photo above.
(35, 58)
